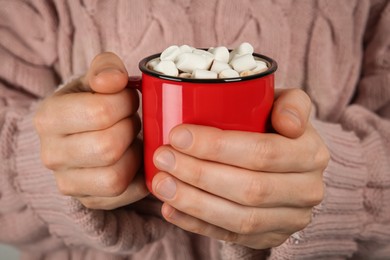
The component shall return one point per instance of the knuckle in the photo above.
(304, 221)
(218, 147)
(40, 122)
(257, 192)
(316, 195)
(63, 187)
(115, 183)
(249, 224)
(320, 152)
(44, 119)
(106, 149)
(49, 159)
(323, 157)
(99, 112)
(314, 192)
(263, 152)
(197, 175)
(140, 190)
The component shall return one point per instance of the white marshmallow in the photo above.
(245, 48)
(247, 73)
(185, 75)
(211, 64)
(244, 62)
(229, 73)
(232, 55)
(167, 67)
(220, 53)
(204, 74)
(185, 48)
(207, 55)
(170, 53)
(261, 66)
(219, 66)
(189, 61)
(151, 64)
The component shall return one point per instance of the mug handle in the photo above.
(135, 82)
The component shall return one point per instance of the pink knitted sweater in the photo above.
(337, 51)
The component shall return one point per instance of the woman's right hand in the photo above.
(88, 131)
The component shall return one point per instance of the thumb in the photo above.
(107, 74)
(291, 112)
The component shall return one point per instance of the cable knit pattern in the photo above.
(337, 51)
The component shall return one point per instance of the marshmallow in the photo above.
(153, 63)
(244, 62)
(185, 48)
(219, 66)
(245, 48)
(247, 73)
(229, 73)
(185, 75)
(204, 74)
(232, 55)
(170, 53)
(261, 66)
(167, 67)
(207, 55)
(220, 53)
(188, 62)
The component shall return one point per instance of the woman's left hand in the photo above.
(253, 189)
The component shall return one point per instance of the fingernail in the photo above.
(165, 160)
(293, 115)
(166, 188)
(181, 138)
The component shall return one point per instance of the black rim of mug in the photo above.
(272, 67)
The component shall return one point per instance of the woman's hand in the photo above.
(249, 188)
(88, 133)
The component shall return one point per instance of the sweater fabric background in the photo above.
(336, 51)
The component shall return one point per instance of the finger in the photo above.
(74, 113)
(134, 192)
(107, 74)
(224, 213)
(290, 113)
(194, 225)
(90, 149)
(260, 152)
(245, 187)
(101, 181)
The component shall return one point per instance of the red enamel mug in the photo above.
(242, 103)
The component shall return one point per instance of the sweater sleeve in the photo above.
(353, 219)
(33, 214)
(24, 77)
